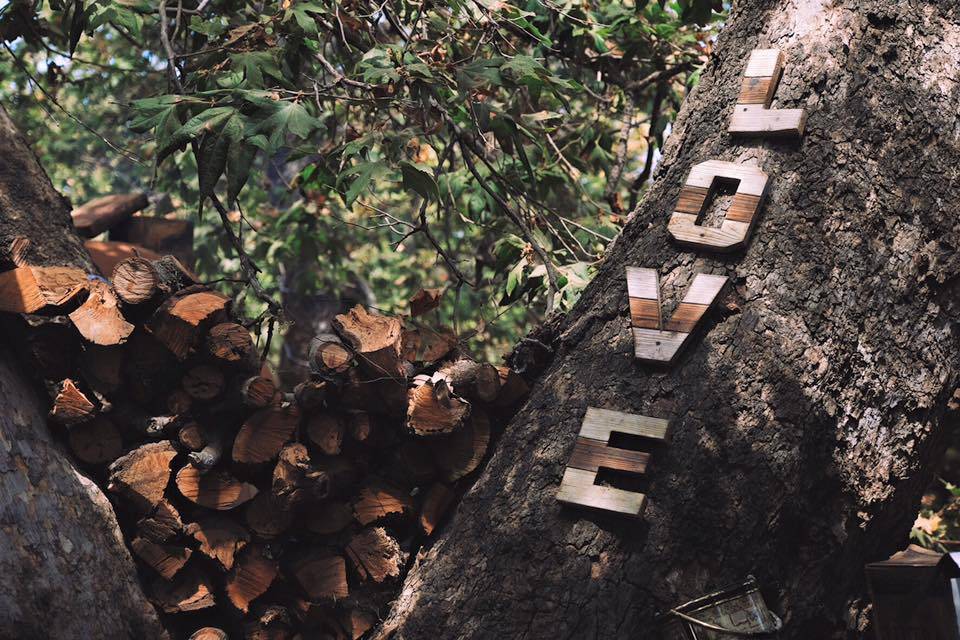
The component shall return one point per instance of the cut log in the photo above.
(475, 381)
(513, 389)
(99, 319)
(49, 345)
(163, 235)
(413, 463)
(140, 476)
(97, 441)
(161, 525)
(426, 345)
(376, 340)
(189, 591)
(310, 395)
(378, 500)
(220, 538)
(212, 451)
(266, 518)
(136, 280)
(102, 368)
(19, 247)
(165, 559)
(327, 356)
(209, 633)
(107, 255)
(264, 433)
(325, 430)
(357, 622)
(462, 451)
(149, 369)
(230, 343)
(329, 517)
(258, 392)
(252, 575)
(361, 427)
(322, 577)
(375, 555)
(30, 289)
(71, 406)
(424, 301)
(296, 481)
(192, 437)
(179, 402)
(432, 410)
(438, 499)
(182, 318)
(203, 382)
(274, 623)
(214, 489)
(103, 213)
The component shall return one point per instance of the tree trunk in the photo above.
(67, 573)
(809, 411)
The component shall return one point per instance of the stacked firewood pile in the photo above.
(255, 512)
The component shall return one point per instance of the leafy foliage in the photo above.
(490, 147)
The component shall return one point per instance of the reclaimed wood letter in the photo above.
(738, 222)
(752, 114)
(654, 339)
(593, 452)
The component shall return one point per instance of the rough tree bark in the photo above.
(807, 419)
(66, 572)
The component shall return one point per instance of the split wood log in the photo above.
(136, 280)
(230, 343)
(209, 633)
(375, 555)
(161, 525)
(435, 504)
(513, 389)
(357, 622)
(329, 517)
(97, 441)
(273, 623)
(212, 451)
(220, 538)
(266, 518)
(191, 436)
(30, 289)
(106, 255)
(426, 345)
(325, 430)
(258, 392)
(49, 345)
(432, 410)
(163, 235)
(475, 381)
(328, 357)
(424, 301)
(322, 577)
(296, 481)
(99, 319)
(101, 214)
(461, 452)
(252, 575)
(376, 339)
(214, 489)
(141, 476)
(310, 395)
(165, 559)
(148, 367)
(179, 402)
(413, 463)
(71, 406)
(191, 590)
(378, 500)
(102, 368)
(183, 317)
(203, 382)
(264, 433)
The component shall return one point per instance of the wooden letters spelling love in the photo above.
(658, 341)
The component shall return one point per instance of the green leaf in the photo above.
(365, 172)
(418, 180)
(206, 121)
(288, 117)
(255, 65)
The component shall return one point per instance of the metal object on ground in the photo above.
(734, 612)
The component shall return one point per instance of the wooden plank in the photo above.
(752, 180)
(751, 119)
(757, 91)
(598, 424)
(651, 345)
(645, 313)
(643, 283)
(704, 289)
(744, 207)
(731, 235)
(692, 199)
(578, 488)
(685, 317)
(764, 62)
(592, 455)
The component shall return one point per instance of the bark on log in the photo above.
(807, 418)
(66, 538)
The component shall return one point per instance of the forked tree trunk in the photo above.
(66, 572)
(807, 417)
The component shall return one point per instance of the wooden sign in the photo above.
(593, 452)
(654, 339)
(697, 192)
(752, 114)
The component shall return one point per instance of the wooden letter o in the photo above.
(733, 233)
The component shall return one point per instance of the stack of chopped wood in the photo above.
(255, 512)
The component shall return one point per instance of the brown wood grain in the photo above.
(757, 91)
(692, 199)
(592, 455)
(645, 313)
(743, 208)
(685, 317)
